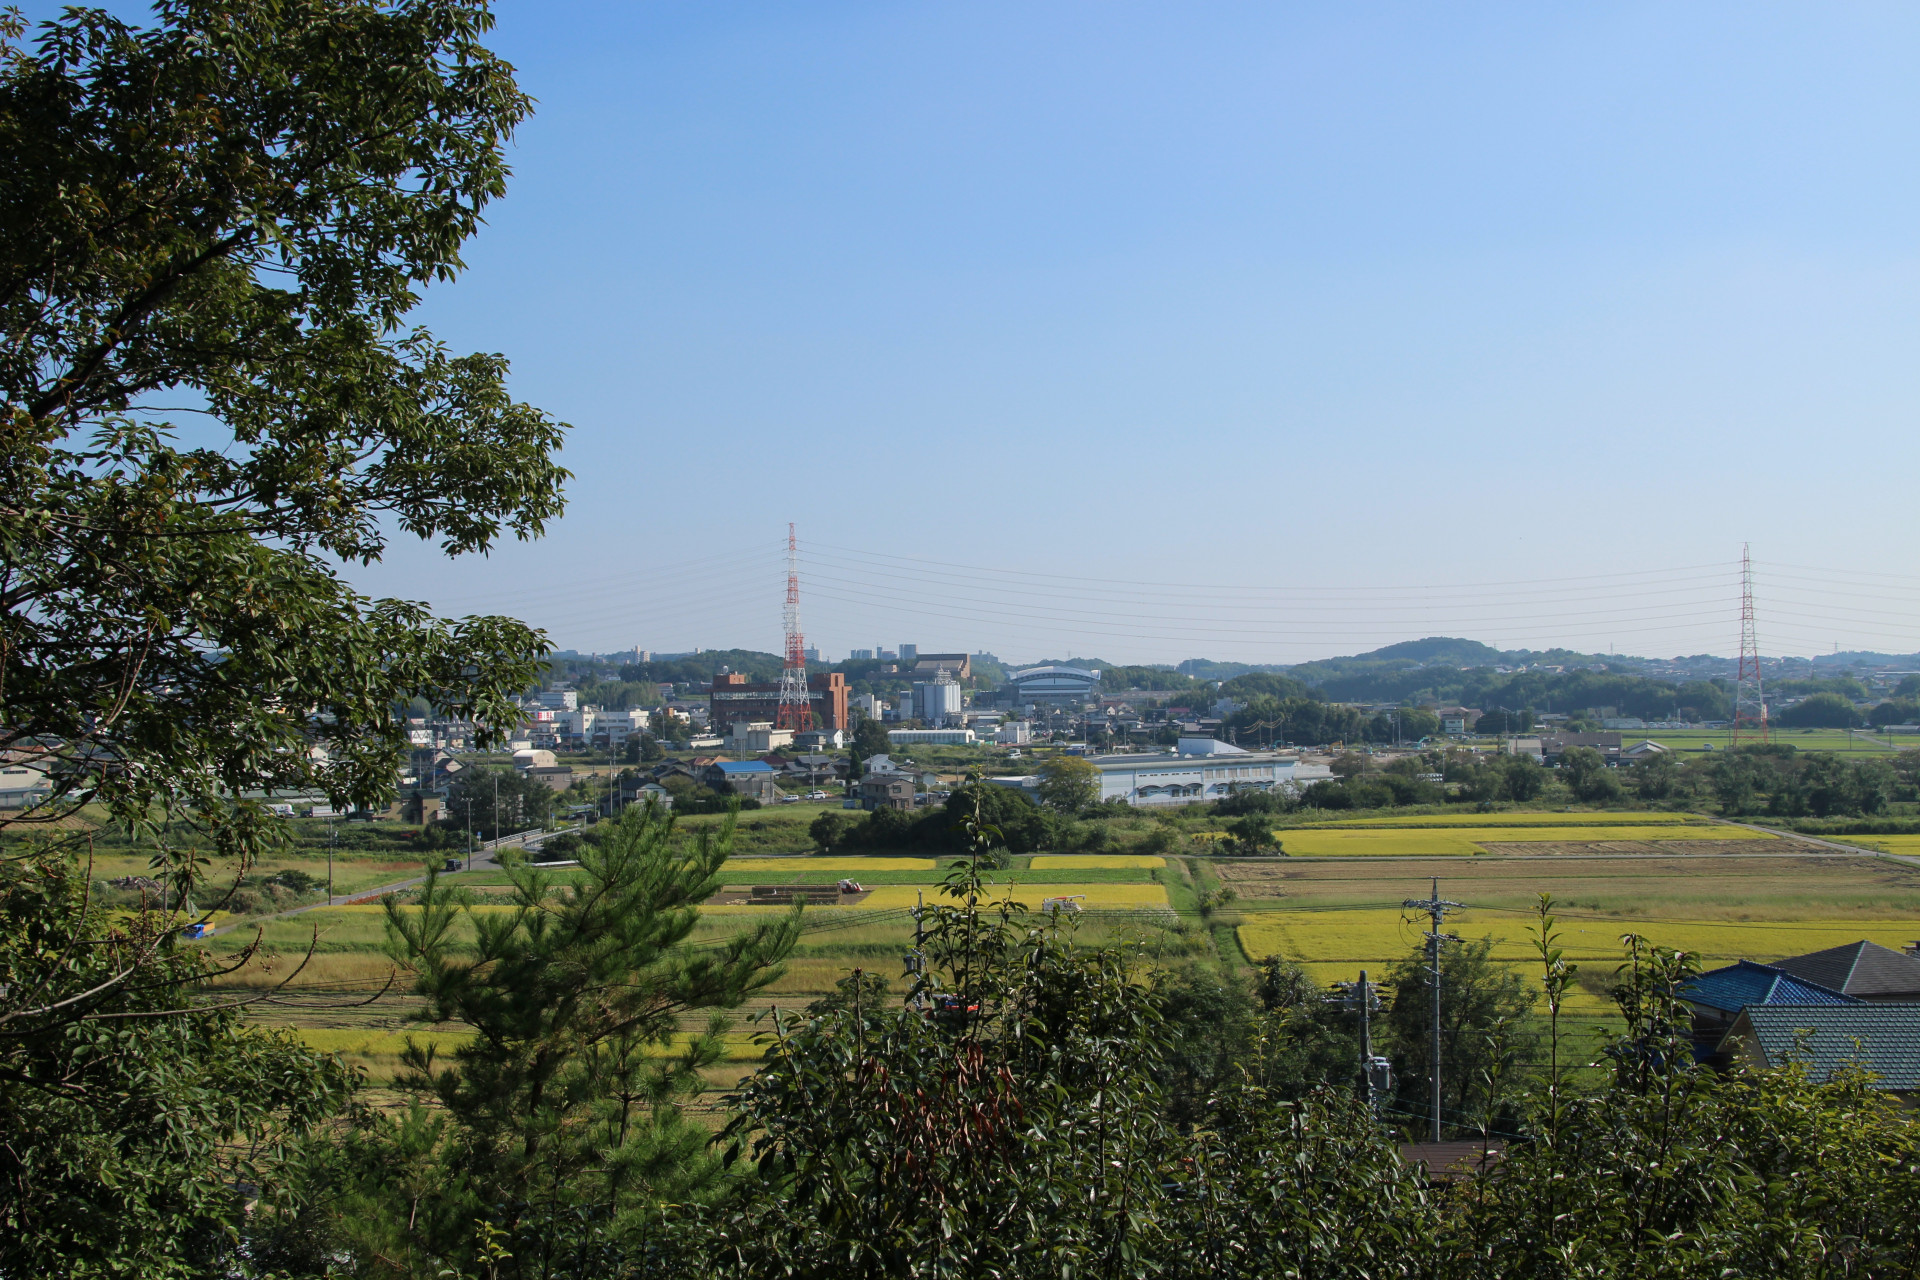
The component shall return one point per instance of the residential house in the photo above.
(556, 777)
(1719, 996)
(1553, 746)
(1865, 970)
(821, 739)
(755, 779)
(887, 791)
(1830, 1038)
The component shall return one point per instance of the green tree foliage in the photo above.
(1500, 720)
(830, 830)
(562, 1100)
(1782, 782)
(1896, 711)
(1821, 711)
(1587, 775)
(870, 739)
(133, 1117)
(224, 219)
(1658, 777)
(1069, 784)
(498, 802)
(1022, 1127)
(235, 209)
(1485, 1013)
(1253, 835)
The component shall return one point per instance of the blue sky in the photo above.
(1316, 318)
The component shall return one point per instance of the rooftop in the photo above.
(1738, 985)
(1864, 969)
(1883, 1038)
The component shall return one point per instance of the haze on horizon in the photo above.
(1256, 332)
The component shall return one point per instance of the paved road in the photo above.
(1858, 851)
(485, 858)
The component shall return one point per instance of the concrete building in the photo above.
(1055, 685)
(559, 699)
(909, 653)
(868, 706)
(930, 737)
(936, 702)
(533, 758)
(757, 737)
(958, 666)
(860, 655)
(1197, 770)
(734, 698)
(1015, 734)
(23, 782)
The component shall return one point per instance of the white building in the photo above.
(1017, 734)
(937, 702)
(930, 737)
(1197, 770)
(23, 783)
(559, 699)
(752, 737)
(869, 706)
(618, 726)
(1072, 685)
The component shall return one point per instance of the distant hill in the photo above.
(1208, 669)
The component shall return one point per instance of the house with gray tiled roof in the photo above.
(1883, 1038)
(1864, 970)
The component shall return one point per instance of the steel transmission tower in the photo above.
(795, 711)
(1749, 708)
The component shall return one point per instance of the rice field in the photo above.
(1519, 819)
(1334, 904)
(1456, 841)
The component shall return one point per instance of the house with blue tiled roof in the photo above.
(750, 779)
(1718, 996)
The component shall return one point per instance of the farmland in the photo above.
(1334, 904)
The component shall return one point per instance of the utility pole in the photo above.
(917, 959)
(333, 838)
(1436, 908)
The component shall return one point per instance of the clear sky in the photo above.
(1304, 318)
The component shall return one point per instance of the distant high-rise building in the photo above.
(860, 655)
(811, 654)
(909, 652)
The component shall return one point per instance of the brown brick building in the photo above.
(734, 700)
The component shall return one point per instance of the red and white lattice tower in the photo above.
(1749, 707)
(795, 711)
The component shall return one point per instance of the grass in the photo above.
(828, 864)
(1094, 861)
